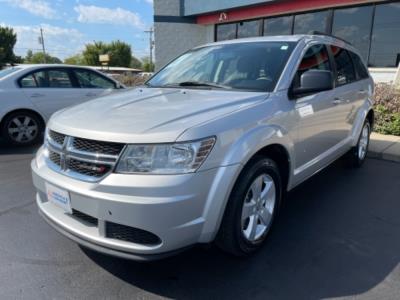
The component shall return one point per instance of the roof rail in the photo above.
(316, 32)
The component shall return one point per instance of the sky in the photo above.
(70, 24)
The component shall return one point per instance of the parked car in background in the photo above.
(30, 94)
(207, 150)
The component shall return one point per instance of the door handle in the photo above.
(36, 95)
(337, 101)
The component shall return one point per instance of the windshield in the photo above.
(5, 72)
(254, 66)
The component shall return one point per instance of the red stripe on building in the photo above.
(271, 9)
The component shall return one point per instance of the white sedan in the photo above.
(30, 94)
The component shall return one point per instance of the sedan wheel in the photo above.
(22, 128)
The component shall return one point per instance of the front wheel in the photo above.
(252, 208)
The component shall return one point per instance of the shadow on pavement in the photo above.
(6, 149)
(337, 235)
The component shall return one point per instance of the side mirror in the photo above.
(314, 81)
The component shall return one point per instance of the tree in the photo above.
(136, 63)
(76, 59)
(147, 67)
(92, 52)
(7, 42)
(38, 58)
(120, 53)
(29, 55)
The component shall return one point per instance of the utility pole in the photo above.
(41, 41)
(150, 32)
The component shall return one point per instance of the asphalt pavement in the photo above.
(338, 236)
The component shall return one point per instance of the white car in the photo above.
(30, 94)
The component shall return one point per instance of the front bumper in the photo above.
(181, 210)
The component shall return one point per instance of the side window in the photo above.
(91, 80)
(316, 57)
(361, 70)
(344, 66)
(28, 81)
(46, 79)
(58, 79)
(34, 80)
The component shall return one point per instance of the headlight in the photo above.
(175, 158)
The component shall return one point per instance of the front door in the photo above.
(316, 131)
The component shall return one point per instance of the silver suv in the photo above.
(207, 149)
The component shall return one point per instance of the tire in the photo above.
(22, 128)
(358, 153)
(237, 235)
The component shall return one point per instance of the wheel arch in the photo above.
(275, 151)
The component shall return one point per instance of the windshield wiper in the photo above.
(198, 83)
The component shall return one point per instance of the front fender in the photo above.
(239, 153)
(244, 148)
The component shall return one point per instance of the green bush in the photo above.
(385, 121)
(387, 109)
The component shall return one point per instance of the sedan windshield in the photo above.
(254, 66)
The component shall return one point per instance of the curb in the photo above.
(385, 147)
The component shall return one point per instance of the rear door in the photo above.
(316, 125)
(51, 89)
(347, 90)
(363, 85)
(93, 84)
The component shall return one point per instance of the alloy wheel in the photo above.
(363, 143)
(22, 129)
(258, 208)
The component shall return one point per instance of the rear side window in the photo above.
(361, 70)
(344, 66)
(47, 79)
(316, 57)
(91, 80)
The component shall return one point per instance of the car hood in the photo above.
(149, 115)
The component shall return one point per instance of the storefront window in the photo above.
(385, 45)
(278, 26)
(226, 32)
(354, 25)
(306, 23)
(249, 29)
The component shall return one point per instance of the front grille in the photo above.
(99, 147)
(84, 217)
(131, 234)
(58, 138)
(55, 157)
(88, 168)
(85, 159)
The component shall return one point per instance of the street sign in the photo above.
(104, 58)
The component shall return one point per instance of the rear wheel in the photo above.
(359, 152)
(252, 208)
(22, 128)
